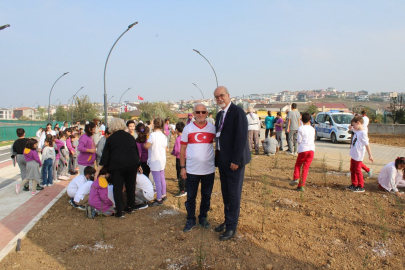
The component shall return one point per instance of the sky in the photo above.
(254, 46)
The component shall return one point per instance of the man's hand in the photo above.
(140, 169)
(234, 167)
(183, 173)
(371, 158)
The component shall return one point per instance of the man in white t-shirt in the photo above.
(253, 130)
(197, 139)
(366, 121)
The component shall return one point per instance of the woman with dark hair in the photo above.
(121, 156)
(48, 130)
(87, 148)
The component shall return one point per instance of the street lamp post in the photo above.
(4, 26)
(110, 99)
(216, 78)
(49, 102)
(73, 100)
(120, 101)
(200, 90)
(105, 68)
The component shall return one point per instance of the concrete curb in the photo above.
(7, 249)
(5, 147)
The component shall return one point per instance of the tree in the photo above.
(84, 110)
(125, 116)
(312, 109)
(397, 110)
(152, 110)
(24, 118)
(41, 113)
(60, 114)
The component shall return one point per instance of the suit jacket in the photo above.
(234, 140)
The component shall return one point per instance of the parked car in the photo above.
(333, 125)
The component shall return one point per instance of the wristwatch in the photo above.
(182, 167)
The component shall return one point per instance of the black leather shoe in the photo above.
(227, 235)
(221, 227)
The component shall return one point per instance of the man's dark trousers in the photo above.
(231, 187)
(192, 182)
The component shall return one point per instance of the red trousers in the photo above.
(364, 167)
(356, 173)
(304, 159)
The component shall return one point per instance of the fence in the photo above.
(8, 128)
(386, 129)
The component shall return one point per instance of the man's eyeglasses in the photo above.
(200, 112)
(220, 96)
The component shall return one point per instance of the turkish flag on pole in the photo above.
(140, 98)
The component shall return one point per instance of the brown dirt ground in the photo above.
(388, 139)
(323, 227)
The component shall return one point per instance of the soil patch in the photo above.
(387, 139)
(280, 228)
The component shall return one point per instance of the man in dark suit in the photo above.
(232, 154)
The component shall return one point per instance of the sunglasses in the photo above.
(200, 112)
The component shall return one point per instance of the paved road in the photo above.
(5, 154)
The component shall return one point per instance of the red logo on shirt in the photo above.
(201, 137)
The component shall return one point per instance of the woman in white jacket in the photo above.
(391, 176)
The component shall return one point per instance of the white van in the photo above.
(333, 125)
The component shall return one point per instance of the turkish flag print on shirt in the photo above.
(200, 152)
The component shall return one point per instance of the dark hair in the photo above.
(158, 123)
(30, 144)
(306, 117)
(130, 122)
(140, 127)
(294, 106)
(107, 131)
(147, 122)
(357, 119)
(272, 133)
(61, 134)
(88, 127)
(399, 161)
(89, 170)
(56, 126)
(49, 140)
(142, 135)
(167, 119)
(363, 112)
(68, 130)
(20, 132)
(269, 113)
(279, 113)
(180, 126)
(103, 170)
(49, 124)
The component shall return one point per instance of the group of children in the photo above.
(57, 162)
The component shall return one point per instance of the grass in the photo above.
(383, 223)
(6, 143)
(201, 253)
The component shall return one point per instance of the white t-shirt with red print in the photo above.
(200, 151)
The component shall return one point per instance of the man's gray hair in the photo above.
(199, 105)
